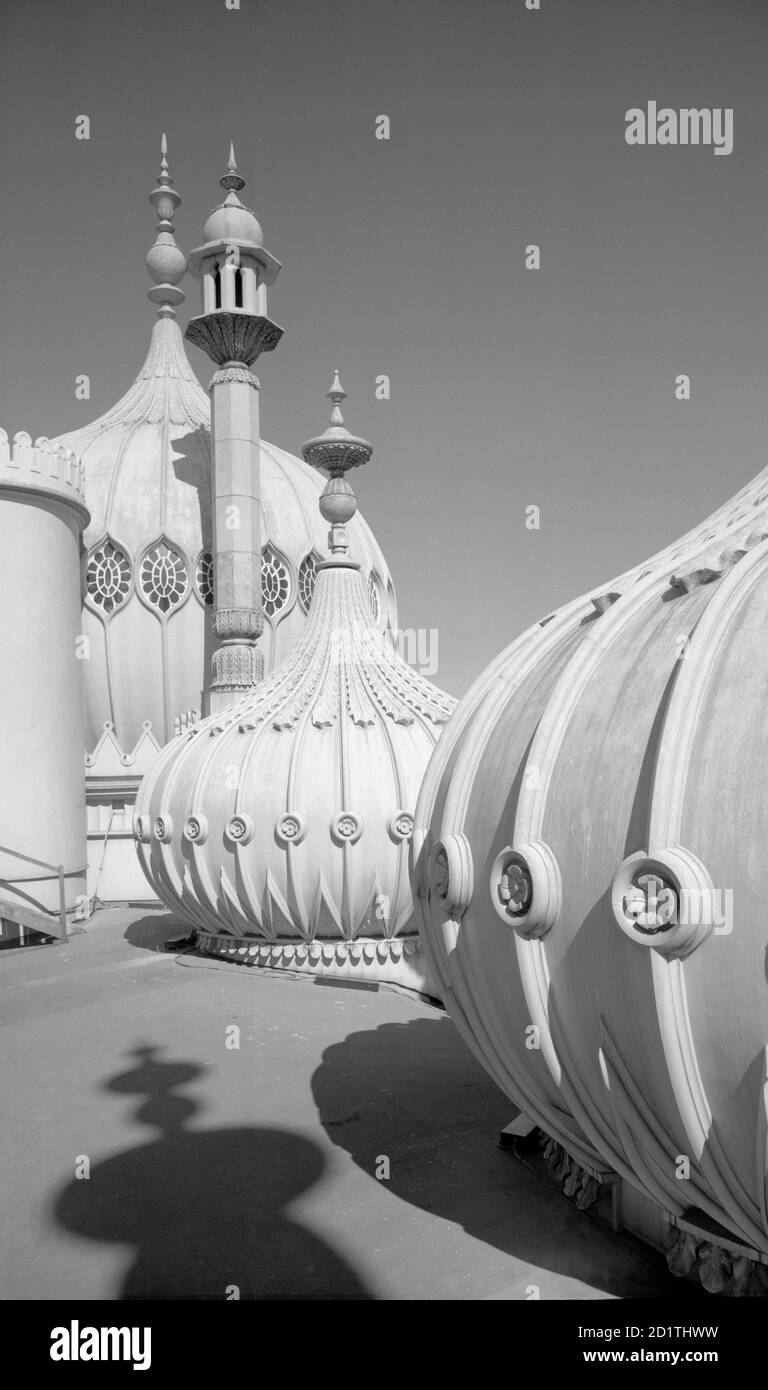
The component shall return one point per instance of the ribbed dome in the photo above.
(593, 814)
(286, 818)
(147, 466)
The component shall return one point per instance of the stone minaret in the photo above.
(234, 330)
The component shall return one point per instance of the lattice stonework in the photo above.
(204, 578)
(373, 597)
(108, 577)
(275, 582)
(307, 573)
(164, 577)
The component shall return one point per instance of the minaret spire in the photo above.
(165, 262)
(235, 269)
(336, 451)
(232, 181)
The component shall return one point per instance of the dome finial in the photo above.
(232, 181)
(337, 394)
(336, 451)
(164, 261)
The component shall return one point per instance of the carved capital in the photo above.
(236, 667)
(238, 622)
(234, 373)
(231, 337)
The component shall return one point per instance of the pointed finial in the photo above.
(165, 262)
(337, 394)
(336, 451)
(232, 181)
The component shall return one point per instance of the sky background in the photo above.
(509, 387)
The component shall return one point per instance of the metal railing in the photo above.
(58, 873)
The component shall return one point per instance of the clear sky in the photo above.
(510, 387)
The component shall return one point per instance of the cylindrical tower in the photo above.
(234, 330)
(42, 781)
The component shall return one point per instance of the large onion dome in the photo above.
(279, 827)
(589, 873)
(147, 583)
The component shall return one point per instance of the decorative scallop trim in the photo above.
(295, 955)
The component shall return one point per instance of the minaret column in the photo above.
(238, 618)
(234, 330)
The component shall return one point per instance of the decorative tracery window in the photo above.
(204, 578)
(307, 574)
(373, 597)
(163, 577)
(275, 581)
(108, 577)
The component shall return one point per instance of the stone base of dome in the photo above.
(367, 960)
(696, 1248)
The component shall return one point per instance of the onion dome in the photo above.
(279, 826)
(147, 582)
(588, 861)
(230, 221)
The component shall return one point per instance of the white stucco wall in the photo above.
(42, 789)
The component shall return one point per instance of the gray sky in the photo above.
(509, 387)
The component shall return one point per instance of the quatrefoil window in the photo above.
(307, 575)
(108, 577)
(275, 581)
(204, 578)
(164, 577)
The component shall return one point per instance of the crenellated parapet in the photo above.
(43, 467)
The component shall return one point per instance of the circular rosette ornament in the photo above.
(196, 829)
(290, 828)
(451, 874)
(346, 828)
(526, 891)
(400, 826)
(239, 830)
(666, 901)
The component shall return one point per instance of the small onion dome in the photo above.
(288, 818)
(165, 262)
(589, 873)
(230, 220)
(285, 819)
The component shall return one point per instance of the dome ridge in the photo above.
(166, 386)
(374, 680)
